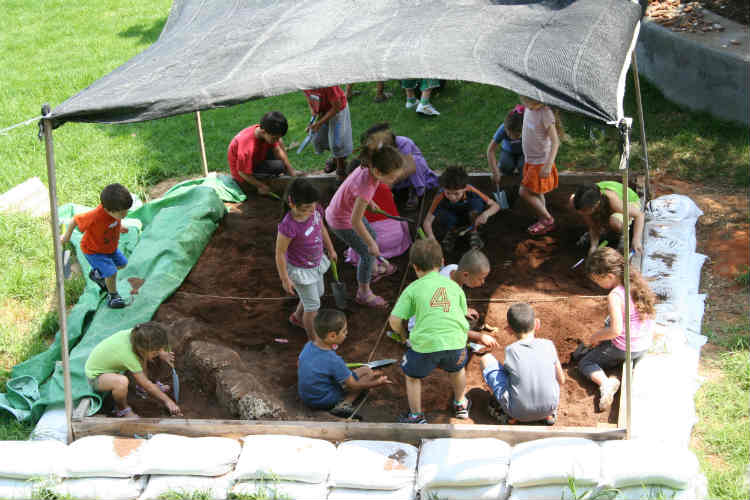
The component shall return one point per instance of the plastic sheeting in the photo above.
(573, 54)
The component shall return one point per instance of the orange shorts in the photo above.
(536, 184)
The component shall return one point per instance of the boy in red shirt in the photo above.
(257, 151)
(332, 127)
(101, 228)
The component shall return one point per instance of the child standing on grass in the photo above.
(101, 228)
(332, 126)
(540, 137)
(459, 205)
(130, 351)
(439, 336)
(605, 267)
(299, 252)
(508, 137)
(324, 380)
(345, 213)
(527, 386)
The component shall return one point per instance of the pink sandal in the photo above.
(541, 227)
(294, 321)
(389, 269)
(371, 300)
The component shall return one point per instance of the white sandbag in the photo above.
(374, 465)
(17, 489)
(286, 490)
(185, 456)
(101, 488)
(669, 238)
(697, 489)
(216, 488)
(405, 493)
(554, 461)
(551, 492)
(104, 456)
(53, 425)
(497, 491)
(291, 458)
(637, 462)
(695, 307)
(32, 459)
(673, 207)
(462, 462)
(693, 272)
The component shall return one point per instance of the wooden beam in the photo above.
(332, 431)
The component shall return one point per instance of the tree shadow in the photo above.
(147, 34)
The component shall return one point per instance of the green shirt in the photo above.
(616, 187)
(113, 355)
(439, 305)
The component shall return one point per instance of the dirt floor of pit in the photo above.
(232, 365)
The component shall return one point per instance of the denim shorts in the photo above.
(497, 380)
(419, 365)
(107, 263)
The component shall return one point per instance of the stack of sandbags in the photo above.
(648, 469)
(463, 469)
(284, 466)
(383, 470)
(29, 469)
(189, 466)
(559, 468)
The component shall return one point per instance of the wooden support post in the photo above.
(644, 146)
(201, 144)
(60, 280)
(626, 274)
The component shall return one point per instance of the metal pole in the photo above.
(200, 143)
(60, 280)
(626, 275)
(644, 146)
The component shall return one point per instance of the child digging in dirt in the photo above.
(299, 252)
(458, 206)
(527, 387)
(101, 228)
(605, 267)
(439, 336)
(130, 350)
(324, 380)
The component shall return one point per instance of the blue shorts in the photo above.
(419, 365)
(107, 263)
(497, 379)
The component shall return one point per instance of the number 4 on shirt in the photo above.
(440, 299)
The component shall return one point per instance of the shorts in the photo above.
(423, 84)
(309, 283)
(536, 184)
(107, 263)
(94, 383)
(419, 365)
(510, 163)
(497, 380)
(336, 135)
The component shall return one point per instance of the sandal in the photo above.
(389, 269)
(126, 412)
(330, 166)
(294, 321)
(542, 227)
(371, 300)
(344, 410)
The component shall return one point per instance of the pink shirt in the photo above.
(306, 247)
(534, 138)
(359, 184)
(640, 329)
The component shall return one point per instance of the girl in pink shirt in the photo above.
(605, 267)
(345, 212)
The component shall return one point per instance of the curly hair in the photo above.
(607, 260)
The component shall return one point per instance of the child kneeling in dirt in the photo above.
(130, 350)
(527, 387)
(439, 336)
(324, 380)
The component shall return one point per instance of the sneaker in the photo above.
(97, 278)
(551, 419)
(427, 109)
(115, 301)
(462, 410)
(607, 393)
(475, 241)
(412, 418)
(584, 240)
(449, 242)
(410, 103)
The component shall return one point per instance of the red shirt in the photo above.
(245, 151)
(384, 199)
(322, 100)
(101, 231)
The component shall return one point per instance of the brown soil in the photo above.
(125, 446)
(226, 345)
(688, 16)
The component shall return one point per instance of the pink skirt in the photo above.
(393, 239)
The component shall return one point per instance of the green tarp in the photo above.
(165, 239)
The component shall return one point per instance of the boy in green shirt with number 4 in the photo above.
(439, 336)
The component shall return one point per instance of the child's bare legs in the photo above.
(458, 380)
(118, 384)
(414, 393)
(111, 282)
(307, 320)
(598, 377)
(536, 201)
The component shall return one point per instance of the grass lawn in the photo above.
(55, 48)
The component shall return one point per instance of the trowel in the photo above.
(501, 197)
(175, 386)
(338, 288)
(373, 364)
(307, 139)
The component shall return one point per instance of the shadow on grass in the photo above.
(147, 34)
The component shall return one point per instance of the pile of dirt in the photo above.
(689, 16)
(236, 349)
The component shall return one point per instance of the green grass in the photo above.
(53, 49)
(186, 495)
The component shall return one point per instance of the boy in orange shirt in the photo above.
(101, 228)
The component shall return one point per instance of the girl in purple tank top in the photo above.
(299, 252)
(605, 267)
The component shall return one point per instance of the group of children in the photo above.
(526, 387)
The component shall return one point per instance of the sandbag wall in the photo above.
(291, 467)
